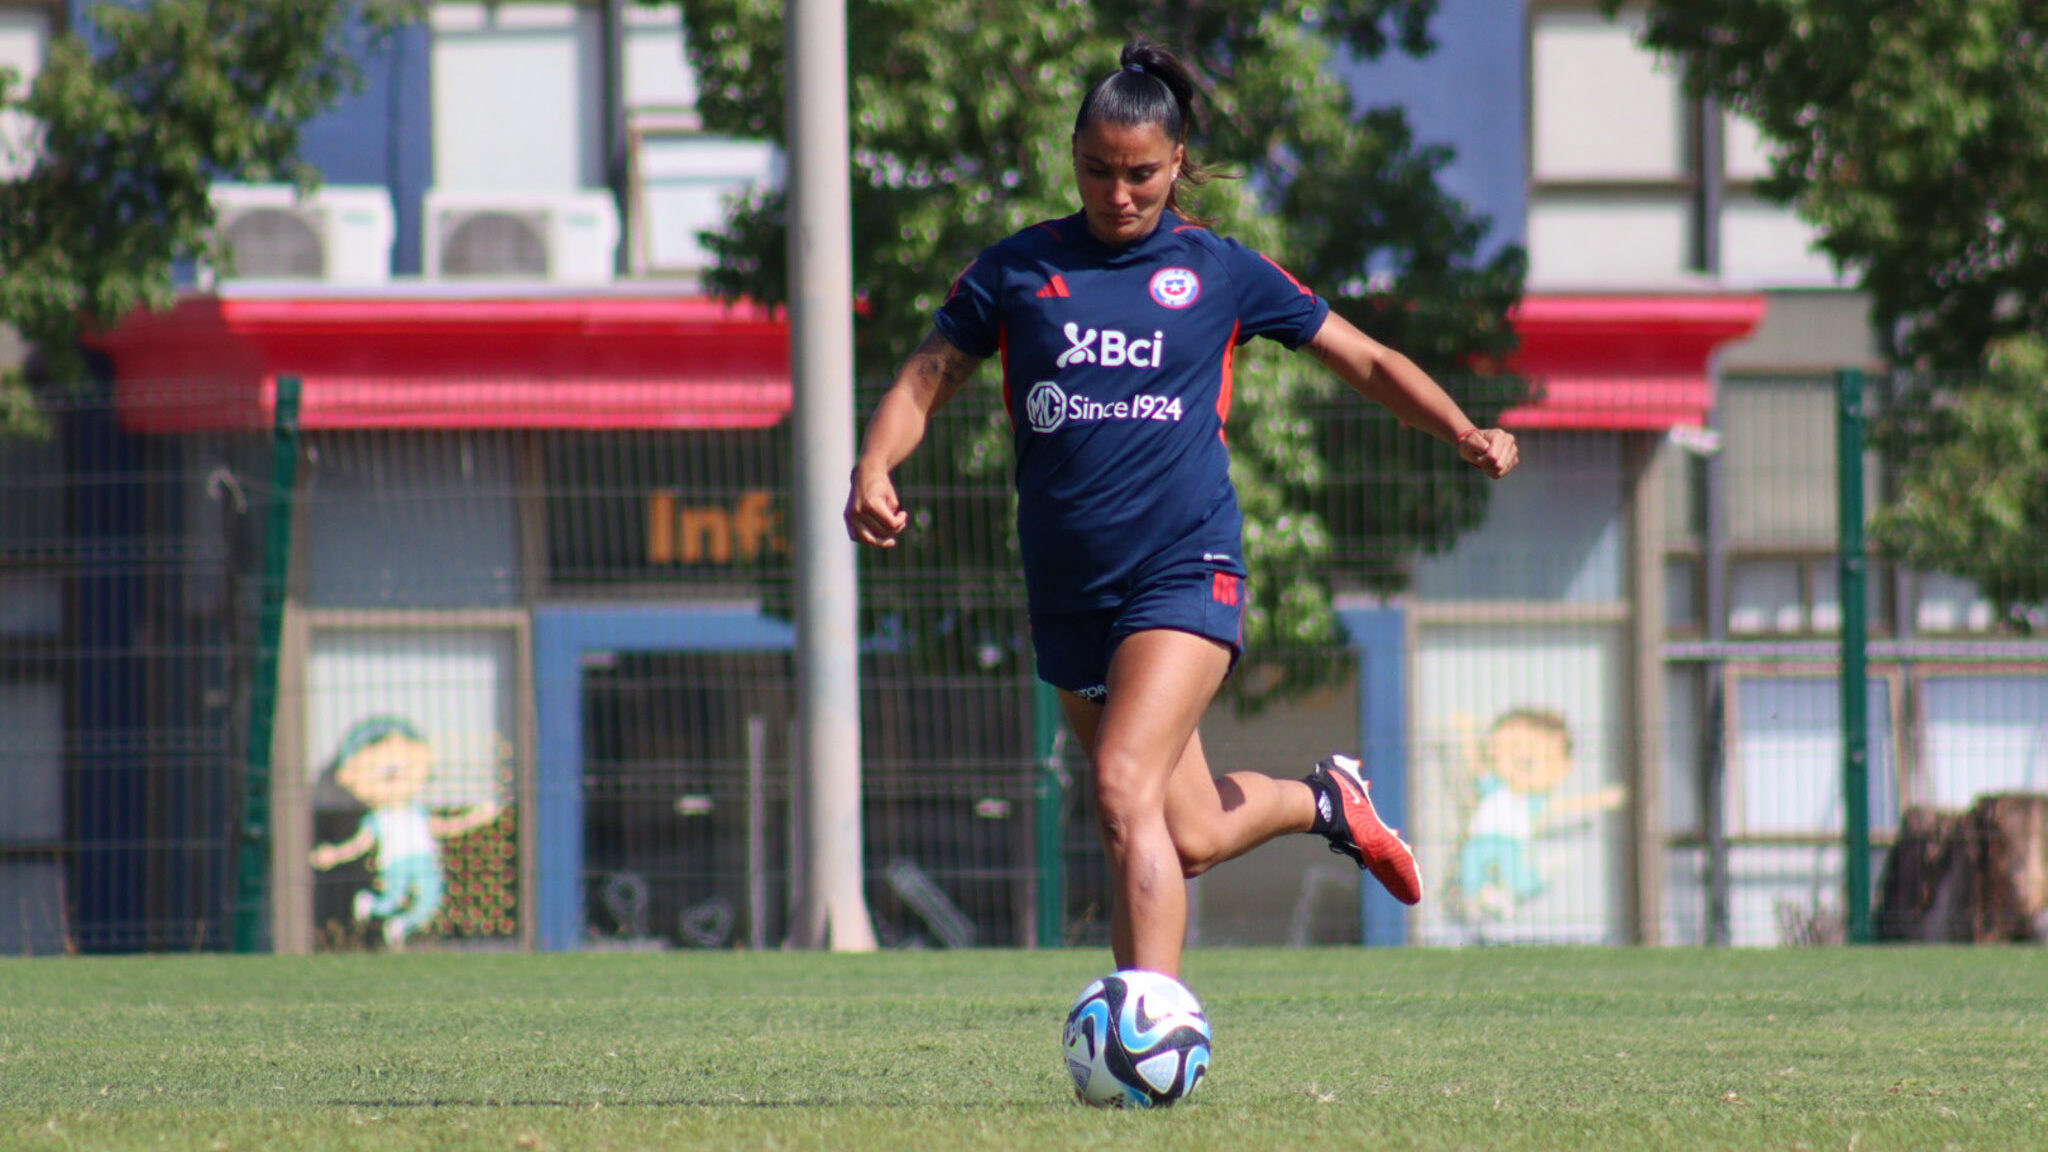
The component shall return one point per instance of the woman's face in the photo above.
(1125, 173)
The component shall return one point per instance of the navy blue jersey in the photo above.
(1117, 373)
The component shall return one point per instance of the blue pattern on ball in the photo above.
(1126, 1021)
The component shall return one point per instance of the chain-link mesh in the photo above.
(1605, 688)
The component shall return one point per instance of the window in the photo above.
(1767, 245)
(684, 182)
(1778, 440)
(1950, 604)
(1603, 107)
(1983, 733)
(1618, 171)
(1767, 596)
(1786, 764)
(1684, 756)
(515, 100)
(1611, 154)
(1555, 535)
(1763, 244)
(412, 521)
(1683, 594)
(1797, 595)
(1523, 750)
(1593, 237)
(408, 805)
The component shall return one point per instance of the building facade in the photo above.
(535, 557)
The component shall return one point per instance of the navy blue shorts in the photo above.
(1074, 647)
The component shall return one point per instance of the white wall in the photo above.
(518, 110)
(657, 75)
(1603, 108)
(24, 37)
(517, 101)
(1612, 204)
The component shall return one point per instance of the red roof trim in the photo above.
(1624, 363)
(411, 361)
(601, 361)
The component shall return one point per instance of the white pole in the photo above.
(834, 912)
(757, 832)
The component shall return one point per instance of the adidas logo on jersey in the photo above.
(1110, 348)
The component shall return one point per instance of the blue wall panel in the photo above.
(1381, 637)
(384, 135)
(1470, 95)
(561, 638)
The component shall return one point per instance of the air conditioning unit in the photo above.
(340, 234)
(566, 237)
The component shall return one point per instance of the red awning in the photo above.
(430, 356)
(1624, 363)
(443, 359)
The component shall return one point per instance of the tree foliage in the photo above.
(1972, 489)
(127, 139)
(961, 116)
(1911, 135)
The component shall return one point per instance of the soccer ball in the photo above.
(1136, 1039)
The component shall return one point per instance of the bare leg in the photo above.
(1163, 816)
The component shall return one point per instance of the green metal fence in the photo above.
(1610, 689)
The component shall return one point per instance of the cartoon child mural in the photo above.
(1517, 768)
(385, 763)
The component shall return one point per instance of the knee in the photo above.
(1200, 849)
(1126, 802)
(1120, 812)
(1131, 803)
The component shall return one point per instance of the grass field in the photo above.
(1609, 1049)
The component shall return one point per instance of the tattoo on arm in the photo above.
(940, 366)
(1352, 374)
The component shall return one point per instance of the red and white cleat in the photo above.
(1359, 833)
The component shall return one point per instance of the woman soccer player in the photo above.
(1116, 327)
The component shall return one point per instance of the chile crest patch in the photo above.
(1176, 287)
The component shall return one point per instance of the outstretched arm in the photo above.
(327, 856)
(925, 383)
(476, 817)
(1381, 374)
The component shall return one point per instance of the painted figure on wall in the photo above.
(385, 763)
(1516, 770)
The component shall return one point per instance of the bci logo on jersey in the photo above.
(1110, 348)
(1048, 406)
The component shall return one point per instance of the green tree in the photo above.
(127, 140)
(961, 115)
(1911, 136)
(1971, 485)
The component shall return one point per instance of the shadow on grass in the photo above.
(733, 1102)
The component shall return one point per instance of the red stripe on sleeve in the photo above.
(1003, 351)
(955, 289)
(1223, 393)
(1284, 272)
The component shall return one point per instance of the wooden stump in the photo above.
(1979, 876)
